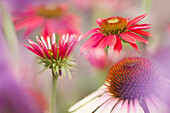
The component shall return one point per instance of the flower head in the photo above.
(55, 56)
(113, 30)
(53, 17)
(131, 87)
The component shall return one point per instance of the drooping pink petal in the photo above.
(110, 105)
(118, 45)
(117, 108)
(94, 39)
(91, 32)
(22, 24)
(29, 22)
(140, 32)
(33, 50)
(138, 38)
(103, 106)
(102, 43)
(131, 108)
(135, 46)
(36, 47)
(97, 58)
(138, 27)
(111, 39)
(135, 20)
(127, 38)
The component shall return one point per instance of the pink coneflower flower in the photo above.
(55, 56)
(132, 86)
(113, 30)
(54, 17)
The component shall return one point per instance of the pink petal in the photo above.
(140, 32)
(127, 38)
(29, 22)
(135, 46)
(71, 47)
(138, 27)
(102, 43)
(118, 45)
(111, 39)
(36, 47)
(91, 32)
(54, 50)
(62, 50)
(22, 24)
(44, 48)
(33, 50)
(138, 38)
(94, 39)
(135, 20)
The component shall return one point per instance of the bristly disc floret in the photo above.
(113, 26)
(131, 78)
(57, 58)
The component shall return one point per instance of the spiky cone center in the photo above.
(50, 12)
(131, 78)
(113, 26)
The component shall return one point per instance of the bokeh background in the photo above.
(19, 68)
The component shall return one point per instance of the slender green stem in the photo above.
(53, 93)
(147, 5)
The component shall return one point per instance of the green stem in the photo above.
(147, 5)
(53, 93)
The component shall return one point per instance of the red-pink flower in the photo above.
(52, 17)
(113, 30)
(52, 55)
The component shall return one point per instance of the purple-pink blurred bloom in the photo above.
(13, 97)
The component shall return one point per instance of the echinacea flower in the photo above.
(54, 17)
(113, 30)
(132, 86)
(55, 56)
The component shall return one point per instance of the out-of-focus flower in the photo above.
(53, 56)
(113, 30)
(13, 99)
(132, 86)
(53, 17)
(109, 4)
(99, 58)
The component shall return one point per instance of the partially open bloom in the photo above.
(53, 17)
(55, 56)
(113, 30)
(132, 86)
